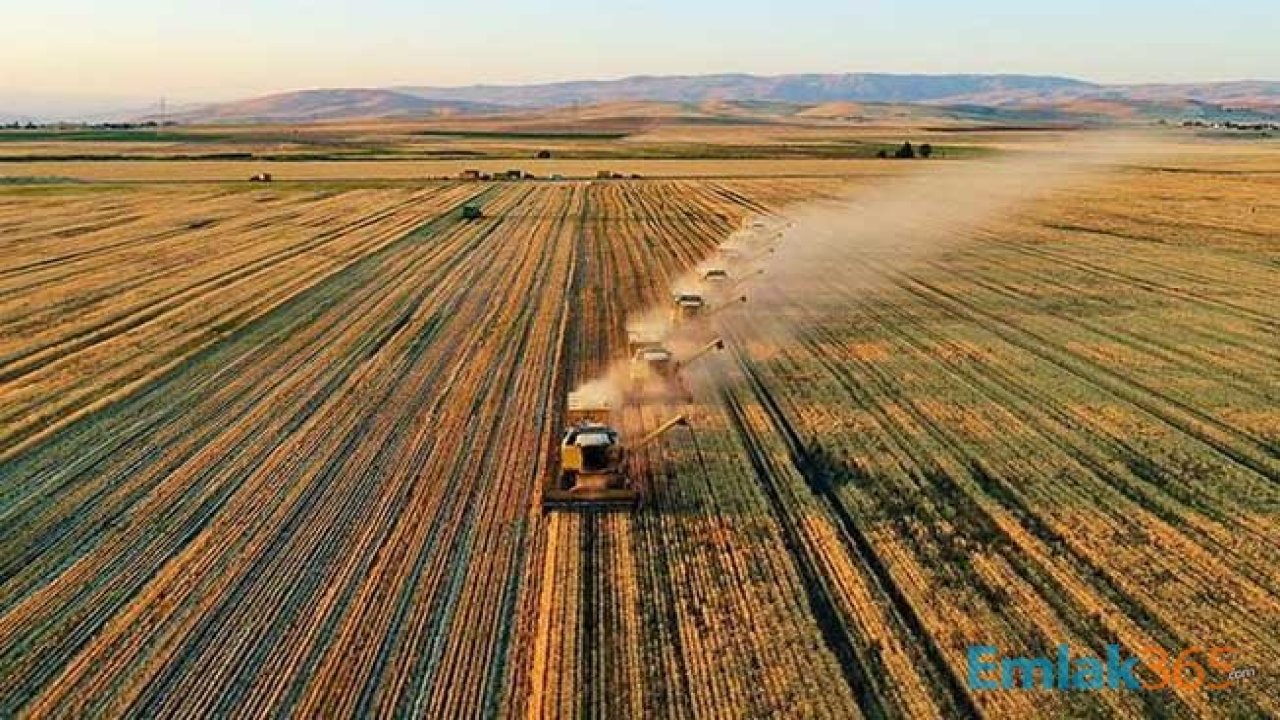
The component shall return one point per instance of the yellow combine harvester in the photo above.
(655, 373)
(651, 363)
(691, 306)
(642, 338)
(687, 306)
(739, 257)
(594, 472)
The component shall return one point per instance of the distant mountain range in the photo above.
(798, 89)
(1039, 97)
(347, 103)
(810, 89)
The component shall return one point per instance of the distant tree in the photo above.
(925, 150)
(905, 152)
(544, 154)
(882, 154)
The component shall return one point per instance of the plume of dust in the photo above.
(821, 256)
(835, 251)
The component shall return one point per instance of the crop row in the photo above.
(1060, 430)
(276, 451)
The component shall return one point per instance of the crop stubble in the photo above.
(276, 450)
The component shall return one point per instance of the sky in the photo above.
(206, 51)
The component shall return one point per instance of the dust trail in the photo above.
(822, 255)
(834, 251)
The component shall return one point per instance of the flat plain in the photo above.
(276, 449)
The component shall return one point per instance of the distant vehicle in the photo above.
(472, 211)
(687, 306)
(261, 177)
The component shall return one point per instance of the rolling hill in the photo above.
(331, 104)
(999, 97)
(797, 89)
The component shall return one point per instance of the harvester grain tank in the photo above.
(640, 338)
(586, 406)
(652, 376)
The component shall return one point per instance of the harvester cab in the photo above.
(653, 377)
(688, 306)
(716, 276)
(591, 459)
(652, 362)
(594, 472)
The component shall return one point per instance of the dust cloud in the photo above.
(831, 251)
(819, 257)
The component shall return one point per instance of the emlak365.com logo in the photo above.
(1152, 668)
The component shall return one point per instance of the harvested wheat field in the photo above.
(277, 451)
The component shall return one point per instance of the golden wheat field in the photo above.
(276, 450)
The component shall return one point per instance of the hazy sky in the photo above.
(219, 49)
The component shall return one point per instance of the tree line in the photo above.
(907, 151)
